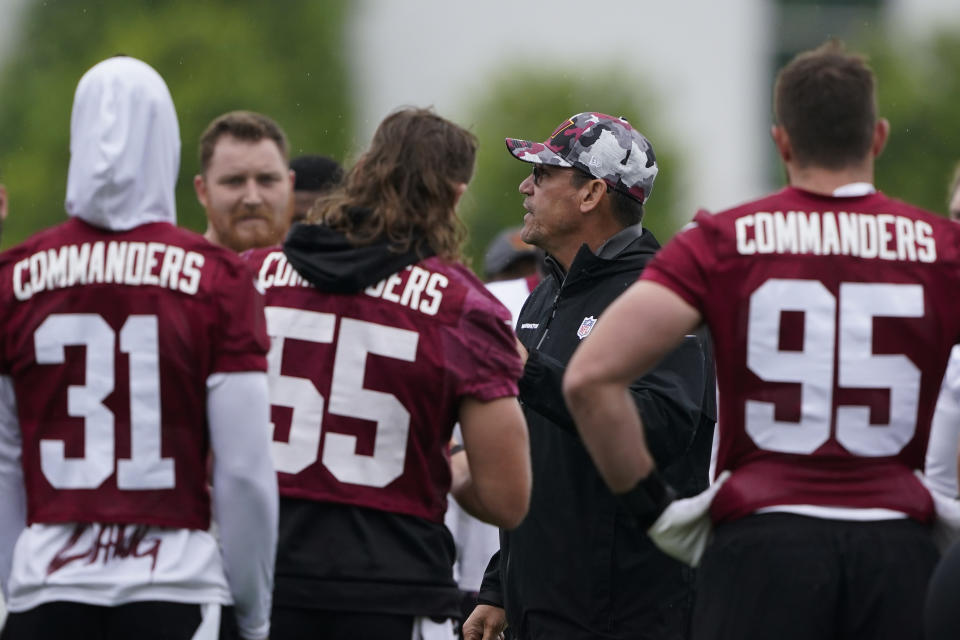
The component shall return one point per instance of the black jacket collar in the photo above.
(586, 263)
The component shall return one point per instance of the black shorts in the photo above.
(141, 620)
(291, 623)
(791, 577)
(941, 616)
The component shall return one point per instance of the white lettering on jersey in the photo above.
(430, 307)
(110, 565)
(389, 292)
(128, 263)
(347, 397)
(884, 236)
(837, 352)
(422, 291)
(277, 272)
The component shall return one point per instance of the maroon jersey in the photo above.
(366, 387)
(833, 319)
(109, 339)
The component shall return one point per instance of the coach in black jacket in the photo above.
(579, 566)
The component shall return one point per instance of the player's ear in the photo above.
(782, 142)
(881, 131)
(459, 189)
(200, 186)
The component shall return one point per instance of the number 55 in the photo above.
(348, 398)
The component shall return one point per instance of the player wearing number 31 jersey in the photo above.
(124, 345)
(381, 341)
(833, 309)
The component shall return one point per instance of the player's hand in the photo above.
(683, 529)
(485, 623)
(522, 350)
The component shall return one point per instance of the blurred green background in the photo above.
(215, 56)
(290, 60)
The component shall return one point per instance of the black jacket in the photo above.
(579, 566)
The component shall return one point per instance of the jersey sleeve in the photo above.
(245, 493)
(481, 351)
(13, 507)
(241, 338)
(683, 264)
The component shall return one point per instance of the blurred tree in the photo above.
(284, 59)
(918, 91)
(529, 104)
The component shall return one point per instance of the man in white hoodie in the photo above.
(125, 344)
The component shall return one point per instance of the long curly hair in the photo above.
(405, 187)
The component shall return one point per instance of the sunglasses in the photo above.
(540, 171)
(538, 174)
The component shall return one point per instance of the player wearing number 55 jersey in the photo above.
(381, 341)
(834, 309)
(124, 345)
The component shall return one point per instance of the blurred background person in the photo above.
(508, 257)
(315, 175)
(941, 615)
(393, 344)
(513, 269)
(245, 183)
(942, 450)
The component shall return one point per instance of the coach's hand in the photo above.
(485, 623)
(522, 351)
(684, 527)
(648, 499)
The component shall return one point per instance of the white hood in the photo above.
(124, 147)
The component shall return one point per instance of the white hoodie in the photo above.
(124, 147)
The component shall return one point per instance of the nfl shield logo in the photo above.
(586, 327)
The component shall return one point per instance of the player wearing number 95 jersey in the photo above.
(833, 308)
(124, 345)
(381, 341)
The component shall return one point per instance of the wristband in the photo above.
(648, 499)
(457, 448)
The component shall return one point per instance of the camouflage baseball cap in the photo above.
(605, 147)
